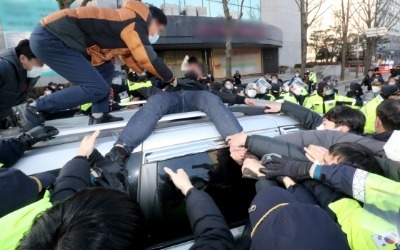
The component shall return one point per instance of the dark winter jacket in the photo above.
(14, 85)
(74, 176)
(145, 93)
(291, 145)
(102, 33)
(367, 81)
(306, 117)
(208, 224)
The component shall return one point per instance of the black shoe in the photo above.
(37, 134)
(105, 118)
(28, 116)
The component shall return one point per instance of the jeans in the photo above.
(142, 124)
(91, 84)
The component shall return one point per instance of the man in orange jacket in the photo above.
(79, 45)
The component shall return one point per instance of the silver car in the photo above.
(189, 141)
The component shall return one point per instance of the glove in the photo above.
(297, 170)
(95, 157)
(273, 158)
(108, 180)
(37, 134)
(117, 154)
(111, 167)
(174, 82)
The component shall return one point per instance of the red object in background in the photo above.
(385, 68)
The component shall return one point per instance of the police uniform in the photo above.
(319, 105)
(322, 104)
(288, 97)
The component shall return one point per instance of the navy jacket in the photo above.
(14, 85)
(208, 224)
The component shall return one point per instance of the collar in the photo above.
(384, 137)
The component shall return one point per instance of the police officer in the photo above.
(325, 99)
(19, 72)
(287, 94)
(238, 78)
(369, 110)
(356, 92)
(310, 78)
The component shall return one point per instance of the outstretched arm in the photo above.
(208, 224)
(75, 175)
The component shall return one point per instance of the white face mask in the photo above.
(320, 127)
(392, 83)
(297, 75)
(251, 93)
(47, 92)
(297, 91)
(263, 90)
(329, 92)
(274, 81)
(117, 80)
(154, 38)
(376, 89)
(285, 88)
(34, 72)
(228, 86)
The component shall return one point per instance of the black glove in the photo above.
(108, 180)
(273, 158)
(117, 154)
(112, 167)
(95, 157)
(297, 170)
(37, 134)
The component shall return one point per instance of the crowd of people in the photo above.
(333, 186)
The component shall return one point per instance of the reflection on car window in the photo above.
(215, 173)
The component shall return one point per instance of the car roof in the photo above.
(175, 135)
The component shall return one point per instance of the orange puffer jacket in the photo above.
(102, 33)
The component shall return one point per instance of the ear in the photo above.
(378, 123)
(23, 59)
(345, 129)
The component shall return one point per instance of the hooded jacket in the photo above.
(102, 33)
(14, 85)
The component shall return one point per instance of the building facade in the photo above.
(197, 27)
(285, 15)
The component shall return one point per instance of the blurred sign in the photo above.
(375, 32)
(18, 18)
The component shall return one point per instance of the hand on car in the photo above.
(250, 102)
(238, 139)
(87, 145)
(180, 179)
(252, 166)
(278, 166)
(316, 153)
(238, 153)
(273, 107)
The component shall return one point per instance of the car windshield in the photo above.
(214, 172)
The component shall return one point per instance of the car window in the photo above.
(214, 172)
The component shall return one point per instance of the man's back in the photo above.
(87, 26)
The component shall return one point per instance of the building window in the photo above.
(214, 8)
